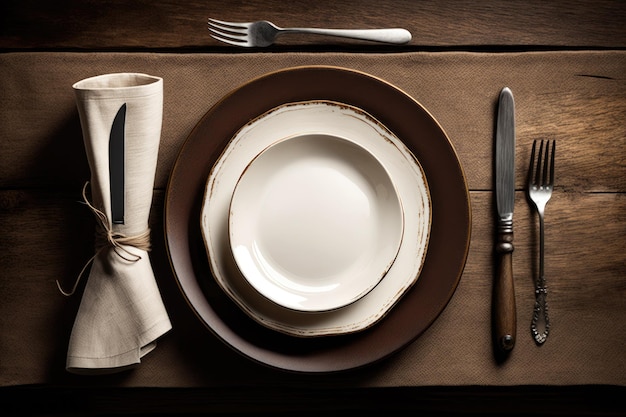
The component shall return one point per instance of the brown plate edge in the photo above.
(405, 322)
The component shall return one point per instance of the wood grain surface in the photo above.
(575, 50)
(454, 25)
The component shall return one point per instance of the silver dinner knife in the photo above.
(116, 166)
(505, 316)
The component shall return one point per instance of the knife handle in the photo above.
(505, 317)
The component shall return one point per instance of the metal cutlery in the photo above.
(504, 311)
(264, 33)
(540, 186)
(116, 166)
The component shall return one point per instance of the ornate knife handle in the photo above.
(505, 317)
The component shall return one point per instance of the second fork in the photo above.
(540, 186)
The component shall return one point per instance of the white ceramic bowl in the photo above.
(335, 119)
(315, 222)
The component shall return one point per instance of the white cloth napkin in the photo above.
(121, 312)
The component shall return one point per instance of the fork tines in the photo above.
(543, 172)
(228, 32)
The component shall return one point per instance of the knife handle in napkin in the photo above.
(121, 314)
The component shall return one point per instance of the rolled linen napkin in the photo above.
(121, 312)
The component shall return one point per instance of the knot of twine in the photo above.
(115, 240)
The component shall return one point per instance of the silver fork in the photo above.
(264, 33)
(540, 185)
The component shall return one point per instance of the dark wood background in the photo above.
(180, 25)
(446, 26)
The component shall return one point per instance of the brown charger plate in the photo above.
(447, 248)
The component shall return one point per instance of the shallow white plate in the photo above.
(315, 222)
(334, 119)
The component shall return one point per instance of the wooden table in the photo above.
(566, 64)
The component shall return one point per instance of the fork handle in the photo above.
(540, 312)
(504, 312)
(394, 35)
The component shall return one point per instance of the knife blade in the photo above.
(116, 165)
(504, 310)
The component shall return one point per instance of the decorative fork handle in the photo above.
(541, 305)
(541, 292)
(395, 35)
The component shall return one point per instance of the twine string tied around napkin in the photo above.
(115, 240)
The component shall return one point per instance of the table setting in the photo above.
(319, 220)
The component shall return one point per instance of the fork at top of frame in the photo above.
(263, 33)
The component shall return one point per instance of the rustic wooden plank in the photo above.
(578, 99)
(48, 235)
(580, 264)
(31, 24)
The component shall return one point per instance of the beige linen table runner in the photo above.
(459, 89)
